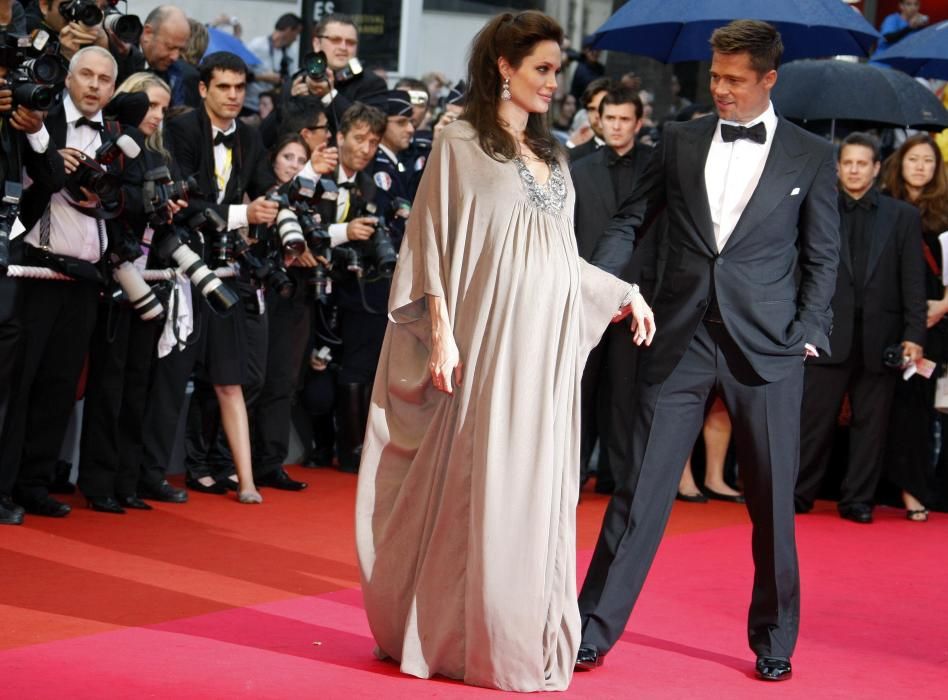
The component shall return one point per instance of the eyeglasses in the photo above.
(351, 43)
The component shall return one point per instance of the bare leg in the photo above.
(914, 508)
(717, 437)
(236, 426)
(687, 485)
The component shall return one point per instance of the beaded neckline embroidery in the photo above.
(550, 197)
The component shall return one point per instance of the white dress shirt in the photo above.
(337, 232)
(223, 168)
(72, 233)
(731, 174)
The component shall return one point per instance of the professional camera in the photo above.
(9, 208)
(171, 240)
(34, 70)
(123, 251)
(93, 176)
(266, 268)
(893, 357)
(287, 224)
(314, 65)
(85, 12)
(379, 251)
(127, 28)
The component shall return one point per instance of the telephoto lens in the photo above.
(290, 232)
(128, 28)
(139, 294)
(219, 296)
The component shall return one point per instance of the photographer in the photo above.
(363, 302)
(58, 317)
(24, 142)
(123, 343)
(227, 160)
(306, 117)
(73, 23)
(165, 35)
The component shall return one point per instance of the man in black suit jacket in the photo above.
(879, 303)
(753, 245)
(603, 180)
(592, 96)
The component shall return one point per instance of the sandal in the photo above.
(917, 516)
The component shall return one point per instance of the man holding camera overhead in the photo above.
(58, 317)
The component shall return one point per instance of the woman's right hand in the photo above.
(937, 308)
(445, 362)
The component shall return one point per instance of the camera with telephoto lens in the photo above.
(171, 240)
(35, 71)
(124, 250)
(378, 252)
(9, 208)
(126, 27)
(287, 224)
(85, 12)
(265, 266)
(894, 357)
(93, 176)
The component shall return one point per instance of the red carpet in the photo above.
(215, 600)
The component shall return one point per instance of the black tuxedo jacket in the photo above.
(583, 150)
(190, 140)
(595, 197)
(894, 306)
(775, 277)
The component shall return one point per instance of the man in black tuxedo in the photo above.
(592, 96)
(227, 159)
(753, 245)
(24, 143)
(879, 303)
(603, 180)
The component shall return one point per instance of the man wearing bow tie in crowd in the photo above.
(58, 317)
(752, 249)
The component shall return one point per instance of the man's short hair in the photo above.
(336, 17)
(759, 39)
(360, 113)
(594, 88)
(288, 21)
(86, 50)
(619, 95)
(300, 113)
(861, 138)
(222, 61)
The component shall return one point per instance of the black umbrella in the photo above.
(814, 90)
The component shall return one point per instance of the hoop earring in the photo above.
(505, 91)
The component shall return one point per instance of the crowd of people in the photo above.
(281, 325)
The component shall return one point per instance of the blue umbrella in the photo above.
(678, 30)
(222, 41)
(923, 53)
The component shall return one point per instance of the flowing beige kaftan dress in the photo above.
(465, 513)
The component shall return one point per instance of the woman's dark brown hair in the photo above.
(932, 202)
(512, 36)
(286, 141)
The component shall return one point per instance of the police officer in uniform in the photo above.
(389, 171)
(416, 155)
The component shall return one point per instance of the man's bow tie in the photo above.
(82, 121)
(227, 139)
(756, 133)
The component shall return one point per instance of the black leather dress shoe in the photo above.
(715, 496)
(10, 512)
(279, 479)
(49, 507)
(588, 659)
(215, 488)
(134, 502)
(109, 504)
(164, 492)
(691, 498)
(771, 668)
(858, 513)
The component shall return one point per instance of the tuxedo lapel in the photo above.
(845, 252)
(56, 125)
(692, 153)
(879, 233)
(784, 164)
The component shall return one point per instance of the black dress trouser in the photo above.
(766, 418)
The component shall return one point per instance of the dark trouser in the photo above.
(207, 452)
(11, 358)
(870, 395)
(57, 320)
(766, 418)
(120, 355)
(289, 326)
(594, 412)
(621, 378)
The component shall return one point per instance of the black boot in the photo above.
(351, 414)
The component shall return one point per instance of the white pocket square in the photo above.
(795, 192)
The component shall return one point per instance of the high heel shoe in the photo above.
(249, 497)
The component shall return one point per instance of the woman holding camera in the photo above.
(123, 344)
(916, 174)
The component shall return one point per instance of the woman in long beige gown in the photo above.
(467, 491)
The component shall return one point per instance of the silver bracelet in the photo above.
(627, 299)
